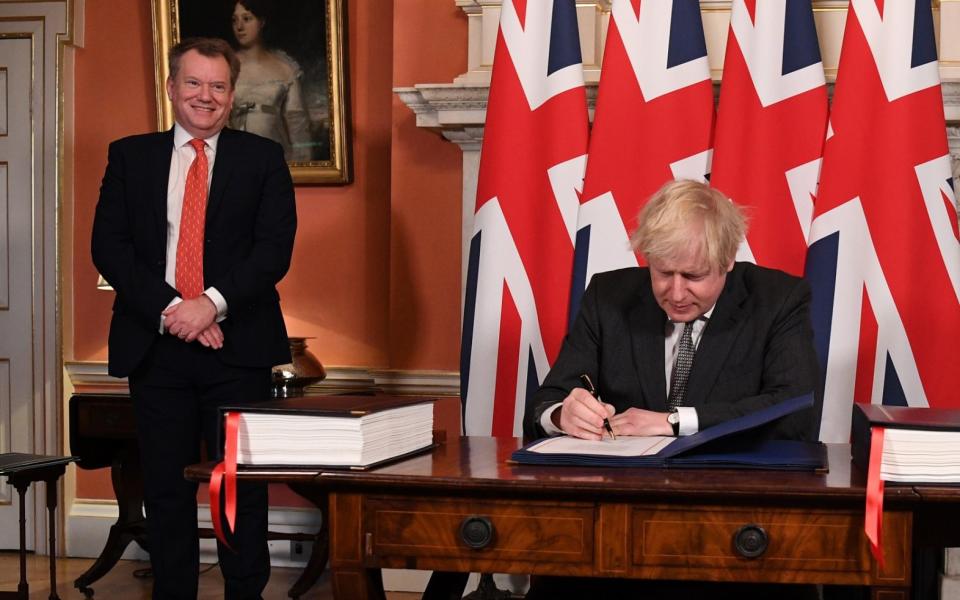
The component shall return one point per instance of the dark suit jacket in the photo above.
(250, 226)
(756, 350)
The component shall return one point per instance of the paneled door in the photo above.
(16, 266)
(32, 35)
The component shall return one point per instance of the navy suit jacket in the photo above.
(250, 225)
(756, 350)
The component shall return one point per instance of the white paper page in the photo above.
(622, 446)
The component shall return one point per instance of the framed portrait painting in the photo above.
(291, 87)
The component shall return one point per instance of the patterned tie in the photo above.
(189, 276)
(681, 367)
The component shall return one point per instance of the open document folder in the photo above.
(727, 444)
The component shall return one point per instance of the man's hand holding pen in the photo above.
(583, 415)
(588, 384)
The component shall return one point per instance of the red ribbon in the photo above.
(224, 476)
(873, 518)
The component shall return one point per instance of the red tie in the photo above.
(189, 276)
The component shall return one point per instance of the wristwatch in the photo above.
(673, 417)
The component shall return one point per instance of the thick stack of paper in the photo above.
(913, 455)
(356, 432)
(919, 444)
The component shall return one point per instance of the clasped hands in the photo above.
(582, 415)
(194, 319)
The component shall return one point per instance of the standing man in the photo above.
(193, 229)
(688, 342)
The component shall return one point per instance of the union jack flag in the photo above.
(653, 122)
(884, 257)
(531, 176)
(771, 125)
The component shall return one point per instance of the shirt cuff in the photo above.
(218, 300)
(176, 300)
(689, 423)
(546, 420)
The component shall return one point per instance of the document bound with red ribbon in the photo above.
(904, 444)
(311, 433)
(920, 445)
(329, 431)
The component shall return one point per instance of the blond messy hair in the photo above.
(666, 220)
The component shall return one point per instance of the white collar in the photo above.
(182, 137)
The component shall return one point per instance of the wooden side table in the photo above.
(21, 470)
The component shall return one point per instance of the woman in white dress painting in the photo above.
(268, 99)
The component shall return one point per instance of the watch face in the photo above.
(673, 418)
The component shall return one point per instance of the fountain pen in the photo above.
(593, 392)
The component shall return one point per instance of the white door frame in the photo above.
(49, 28)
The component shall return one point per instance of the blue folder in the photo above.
(725, 445)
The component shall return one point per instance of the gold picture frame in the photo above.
(308, 35)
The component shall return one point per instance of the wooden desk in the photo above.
(633, 523)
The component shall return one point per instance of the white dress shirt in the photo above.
(689, 422)
(180, 161)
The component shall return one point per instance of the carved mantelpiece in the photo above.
(457, 111)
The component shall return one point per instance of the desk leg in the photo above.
(127, 478)
(363, 584)
(350, 548)
(321, 542)
(23, 590)
(51, 512)
(445, 586)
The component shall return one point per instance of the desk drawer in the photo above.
(786, 544)
(518, 530)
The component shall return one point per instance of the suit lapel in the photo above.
(222, 167)
(157, 189)
(647, 323)
(718, 338)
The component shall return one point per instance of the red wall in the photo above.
(375, 277)
(430, 44)
(114, 97)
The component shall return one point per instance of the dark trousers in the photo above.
(176, 392)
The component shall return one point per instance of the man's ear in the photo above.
(730, 266)
(169, 87)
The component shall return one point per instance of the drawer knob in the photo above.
(476, 532)
(750, 541)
